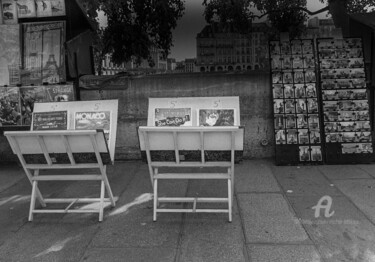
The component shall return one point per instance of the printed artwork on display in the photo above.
(43, 53)
(91, 120)
(173, 117)
(55, 120)
(9, 55)
(10, 111)
(25, 8)
(216, 117)
(30, 95)
(9, 12)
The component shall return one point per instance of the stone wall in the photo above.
(253, 88)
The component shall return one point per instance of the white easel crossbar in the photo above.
(66, 150)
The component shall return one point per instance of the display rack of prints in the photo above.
(295, 100)
(347, 127)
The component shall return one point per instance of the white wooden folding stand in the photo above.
(191, 138)
(83, 150)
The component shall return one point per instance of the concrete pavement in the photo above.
(274, 217)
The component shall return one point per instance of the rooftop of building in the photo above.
(217, 28)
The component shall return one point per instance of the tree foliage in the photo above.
(284, 15)
(134, 27)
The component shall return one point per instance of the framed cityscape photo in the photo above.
(280, 137)
(217, 117)
(316, 153)
(173, 117)
(292, 137)
(279, 122)
(303, 136)
(304, 153)
(278, 91)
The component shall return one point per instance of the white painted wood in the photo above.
(68, 142)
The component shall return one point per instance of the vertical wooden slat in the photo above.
(202, 147)
(148, 155)
(177, 155)
(27, 171)
(68, 149)
(44, 149)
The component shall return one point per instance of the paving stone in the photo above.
(209, 238)
(369, 168)
(303, 180)
(129, 254)
(255, 176)
(362, 193)
(48, 242)
(283, 253)
(268, 218)
(345, 236)
(333, 172)
(10, 175)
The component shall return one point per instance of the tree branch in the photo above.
(297, 8)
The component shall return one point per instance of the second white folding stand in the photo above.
(68, 150)
(201, 139)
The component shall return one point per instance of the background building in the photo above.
(221, 48)
(160, 64)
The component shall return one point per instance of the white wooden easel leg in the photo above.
(155, 198)
(101, 204)
(230, 199)
(109, 190)
(32, 200)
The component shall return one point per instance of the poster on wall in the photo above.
(46, 8)
(10, 112)
(55, 120)
(43, 54)
(9, 55)
(216, 117)
(9, 12)
(173, 117)
(25, 8)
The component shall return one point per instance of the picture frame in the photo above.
(304, 153)
(217, 117)
(316, 154)
(292, 137)
(173, 117)
(279, 122)
(303, 136)
(300, 91)
(51, 120)
(278, 91)
(280, 137)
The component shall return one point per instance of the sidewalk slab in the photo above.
(268, 218)
(345, 236)
(255, 176)
(9, 176)
(333, 172)
(209, 237)
(362, 193)
(134, 254)
(303, 180)
(49, 242)
(369, 168)
(284, 253)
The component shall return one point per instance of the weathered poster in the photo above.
(25, 8)
(173, 117)
(216, 117)
(29, 96)
(10, 113)
(55, 120)
(45, 8)
(9, 55)
(9, 11)
(43, 58)
(59, 93)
